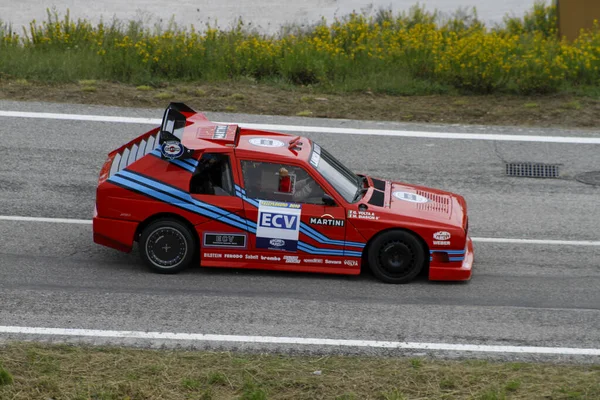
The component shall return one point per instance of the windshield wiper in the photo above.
(360, 191)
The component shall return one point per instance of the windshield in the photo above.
(344, 181)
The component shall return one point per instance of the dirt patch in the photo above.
(558, 110)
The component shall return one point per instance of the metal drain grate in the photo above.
(532, 170)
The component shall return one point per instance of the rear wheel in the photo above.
(167, 246)
(396, 257)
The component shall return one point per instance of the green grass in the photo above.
(237, 96)
(573, 105)
(5, 377)
(164, 96)
(81, 372)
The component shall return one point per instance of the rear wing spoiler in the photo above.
(171, 132)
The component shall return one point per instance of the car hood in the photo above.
(426, 204)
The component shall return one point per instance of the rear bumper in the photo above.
(463, 273)
(114, 233)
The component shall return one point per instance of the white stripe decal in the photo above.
(199, 337)
(320, 129)
(475, 239)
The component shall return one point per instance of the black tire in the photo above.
(167, 246)
(396, 257)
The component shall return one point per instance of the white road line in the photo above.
(475, 239)
(199, 337)
(80, 117)
(539, 241)
(320, 129)
(40, 219)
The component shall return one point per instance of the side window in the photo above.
(280, 182)
(212, 176)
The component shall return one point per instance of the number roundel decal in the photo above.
(410, 197)
(172, 149)
(266, 142)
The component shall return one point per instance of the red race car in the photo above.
(225, 196)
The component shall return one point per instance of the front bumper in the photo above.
(441, 272)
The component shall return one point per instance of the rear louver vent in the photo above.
(377, 199)
(532, 170)
(133, 153)
(379, 184)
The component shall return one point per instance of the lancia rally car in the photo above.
(194, 191)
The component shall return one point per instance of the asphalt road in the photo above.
(52, 275)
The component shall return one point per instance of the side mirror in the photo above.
(328, 200)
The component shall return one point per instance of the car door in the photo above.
(224, 238)
(292, 224)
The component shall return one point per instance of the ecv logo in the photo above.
(279, 221)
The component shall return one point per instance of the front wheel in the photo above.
(167, 246)
(396, 257)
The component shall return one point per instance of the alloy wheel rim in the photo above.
(166, 247)
(396, 258)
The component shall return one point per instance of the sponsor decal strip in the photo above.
(225, 240)
(179, 198)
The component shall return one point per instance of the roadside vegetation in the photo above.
(415, 52)
(417, 65)
(35, 371)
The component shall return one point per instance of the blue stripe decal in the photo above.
(241, 189)
(173, 201)
(249, 200)
(193, 162)
(179, 163)
(182, 195)
(448, 251)
(184, 200)
(451, 259)
(319, 237)
(310, 249)
(330, 251)
(357, 254)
